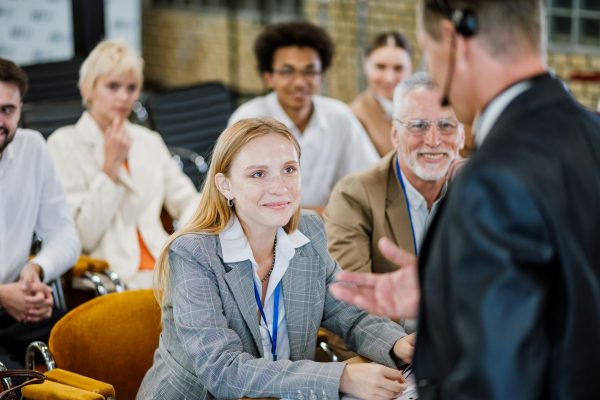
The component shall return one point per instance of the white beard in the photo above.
(428, 173)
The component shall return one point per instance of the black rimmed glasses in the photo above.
(419, 127)
(289, 73)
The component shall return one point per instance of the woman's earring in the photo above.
(230, 202)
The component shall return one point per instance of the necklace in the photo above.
(272, 265)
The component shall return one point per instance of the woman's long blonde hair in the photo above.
(213, 213)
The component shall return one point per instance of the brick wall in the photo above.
(182, 47)
(565, 64)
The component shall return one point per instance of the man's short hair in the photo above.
(11, 73)
(502, 24)
(287, 34)
(413, 82)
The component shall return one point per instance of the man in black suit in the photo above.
(510, 269)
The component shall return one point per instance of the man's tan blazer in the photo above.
(363, 208)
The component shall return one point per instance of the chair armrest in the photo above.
(192, 156)
(69, 378)
(89, 268)
(53, 390)
(87, 263)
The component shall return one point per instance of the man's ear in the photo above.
(447, 29)
(394, 135)
(223, 185)
(461, 43)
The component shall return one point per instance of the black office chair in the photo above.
(47, 116)
(190, 120)
(53, 81)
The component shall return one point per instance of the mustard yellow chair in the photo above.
(111, 338)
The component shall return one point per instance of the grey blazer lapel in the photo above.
(239, 279)
(301, 292)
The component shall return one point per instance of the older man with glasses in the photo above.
(397, 197)
(292, 59)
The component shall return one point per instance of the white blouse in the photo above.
(236, 248)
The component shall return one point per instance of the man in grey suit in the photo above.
(509, 273)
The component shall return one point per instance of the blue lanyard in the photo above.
(412, 228)
(272, 337)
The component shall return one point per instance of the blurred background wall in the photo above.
(191, 41)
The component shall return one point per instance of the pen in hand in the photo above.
(407, 371)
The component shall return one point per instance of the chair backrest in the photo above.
(48, 116)
(191, 117)
(53, 81)
(111, 338)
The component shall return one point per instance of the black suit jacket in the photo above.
(510, 269)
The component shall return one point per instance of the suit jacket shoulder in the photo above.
(525, 209)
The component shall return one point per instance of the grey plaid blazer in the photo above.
(210, 346)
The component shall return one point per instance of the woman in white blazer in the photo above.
(118, 176)
(244, 289)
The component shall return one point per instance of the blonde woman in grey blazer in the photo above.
(244, 289)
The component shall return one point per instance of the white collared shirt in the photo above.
(419, 213)
(483, 122)
(334, 143)
(32, 199)
(236, 248)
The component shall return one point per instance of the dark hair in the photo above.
(295, 33)
(11, 73)
(384, 39)
(502, 24)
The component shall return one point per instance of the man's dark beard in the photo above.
(4, 131)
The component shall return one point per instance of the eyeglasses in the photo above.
(289, 73)
(419, 127)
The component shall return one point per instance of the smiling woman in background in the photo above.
(387, 61)
(117, 175)
(244, 289)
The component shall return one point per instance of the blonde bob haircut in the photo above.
(108, 57)
(213, 213)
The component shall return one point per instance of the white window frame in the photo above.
(576, 14)
(284, 9)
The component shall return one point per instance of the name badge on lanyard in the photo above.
(412, 228)
(272, 335)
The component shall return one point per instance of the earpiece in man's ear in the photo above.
(465, 22)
